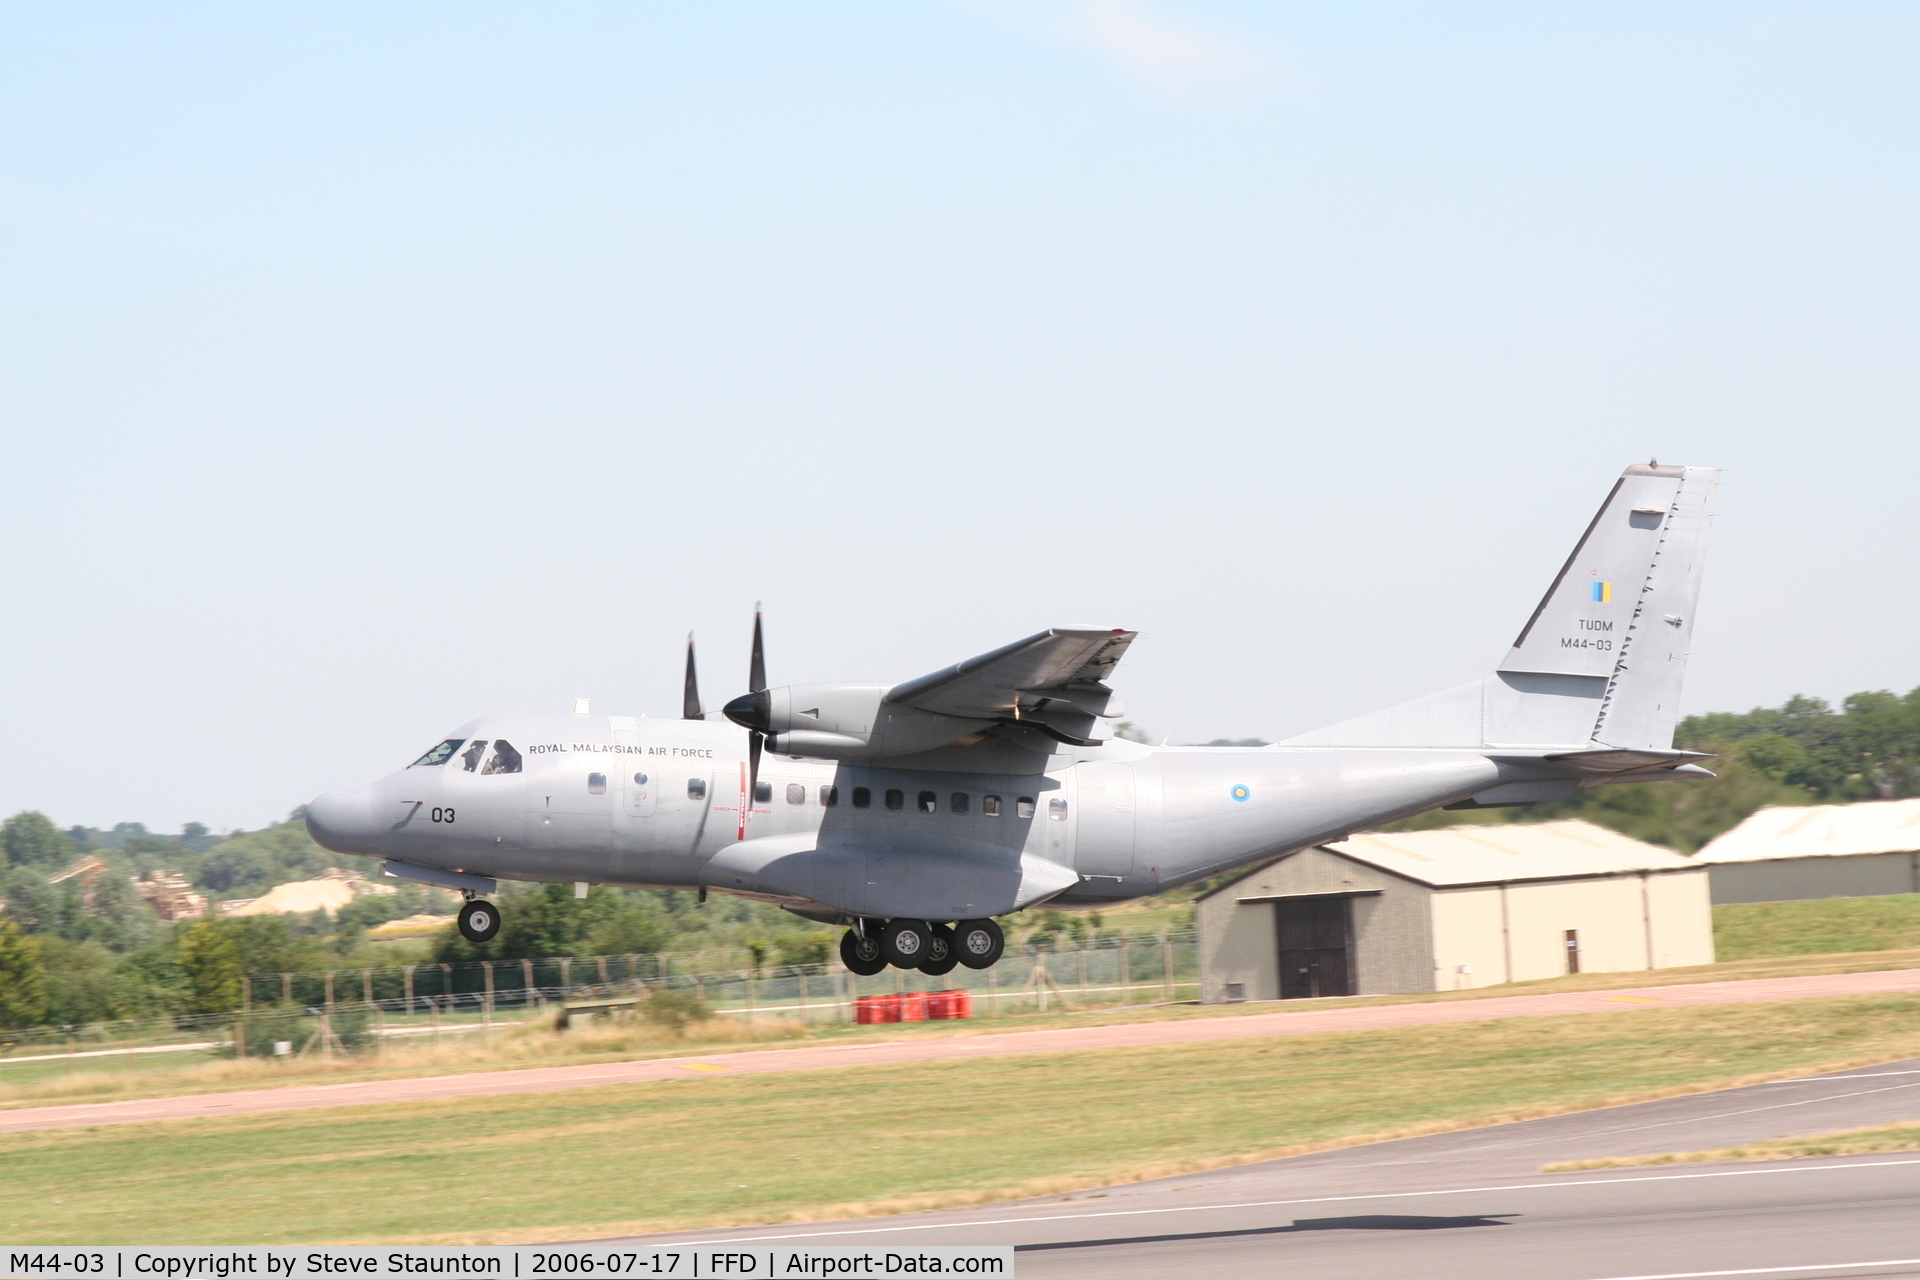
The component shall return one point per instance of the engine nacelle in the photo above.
(844, 722)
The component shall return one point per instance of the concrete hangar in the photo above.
(1450, 909)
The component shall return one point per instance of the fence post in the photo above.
(801, 972)
(286, 988)
(246, 994)
(409, 991)
(486, 1007)
(1126, 971)
(526, 981)
(993, 989)
(604, 980)
(326, 1020)
(1086, 993)
(1166, 964)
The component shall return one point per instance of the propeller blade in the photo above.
(754, 739)
(690, 692)
(757, 668)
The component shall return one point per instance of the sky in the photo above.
(368, 368)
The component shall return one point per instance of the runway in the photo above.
(1475, 1204)
(1294, 1018)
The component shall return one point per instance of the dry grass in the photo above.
(529, 1043)
(717, 1150)
(1904, 1136)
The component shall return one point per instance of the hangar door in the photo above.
(1316, 947)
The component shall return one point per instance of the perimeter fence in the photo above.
(430, 998)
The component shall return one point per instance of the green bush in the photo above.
(259, 1029)
(676, 1009)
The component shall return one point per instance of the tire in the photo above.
(862, 955)
(904, 943)
(479, 920)
(978, 943)
(943, 953)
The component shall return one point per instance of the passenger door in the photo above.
(570, 816)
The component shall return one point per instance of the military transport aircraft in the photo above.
(916, 813)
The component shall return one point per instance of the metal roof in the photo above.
(1820, 831)
(1491, 855)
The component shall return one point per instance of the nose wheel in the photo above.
(479, 920)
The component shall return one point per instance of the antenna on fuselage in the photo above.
(690, 691)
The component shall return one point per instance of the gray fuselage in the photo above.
(618, 800)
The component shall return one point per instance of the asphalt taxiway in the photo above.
(1475, 1204)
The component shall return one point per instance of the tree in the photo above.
(212, 965)
(23, 995)
(31, 840)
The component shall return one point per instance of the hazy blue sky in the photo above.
(367, 368)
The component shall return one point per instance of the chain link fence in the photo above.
(431, 999)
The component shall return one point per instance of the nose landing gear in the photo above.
(479, 920)
(930, 947)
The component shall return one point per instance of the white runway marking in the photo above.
(1772, 1271)
(1378, 1195)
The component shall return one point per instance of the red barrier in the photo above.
(912, 1006)
(953, 1003)
(870, 1009)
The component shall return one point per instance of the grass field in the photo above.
(714, 1149)
(515, 1044)
(1904, 1136)
(1747, 930)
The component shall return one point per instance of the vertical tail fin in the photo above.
(1622, 607)
(1602, 658)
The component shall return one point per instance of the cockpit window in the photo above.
(470, 758)
(504, 759)
(441, 753)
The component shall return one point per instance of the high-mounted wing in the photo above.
(1053, 683)
(1061, 666)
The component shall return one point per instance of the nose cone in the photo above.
(342, 820)
(751, 711)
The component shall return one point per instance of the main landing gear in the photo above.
(928, 946)
(479, 920)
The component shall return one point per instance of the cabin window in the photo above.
(762, 792)
(696, 788)
(990, 806)
(440, 753)
(896, 800)
(1057, 810)
(929, 802)
(958, 802)
(596, 784)
(470, 758)
(503, 760)
(862, 798)
(1023, 807)
(829, 797)
(639, 779)
(796, 793)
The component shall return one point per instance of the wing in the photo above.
(1061, 672)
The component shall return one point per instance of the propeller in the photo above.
(690, 691)
(752, 710)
